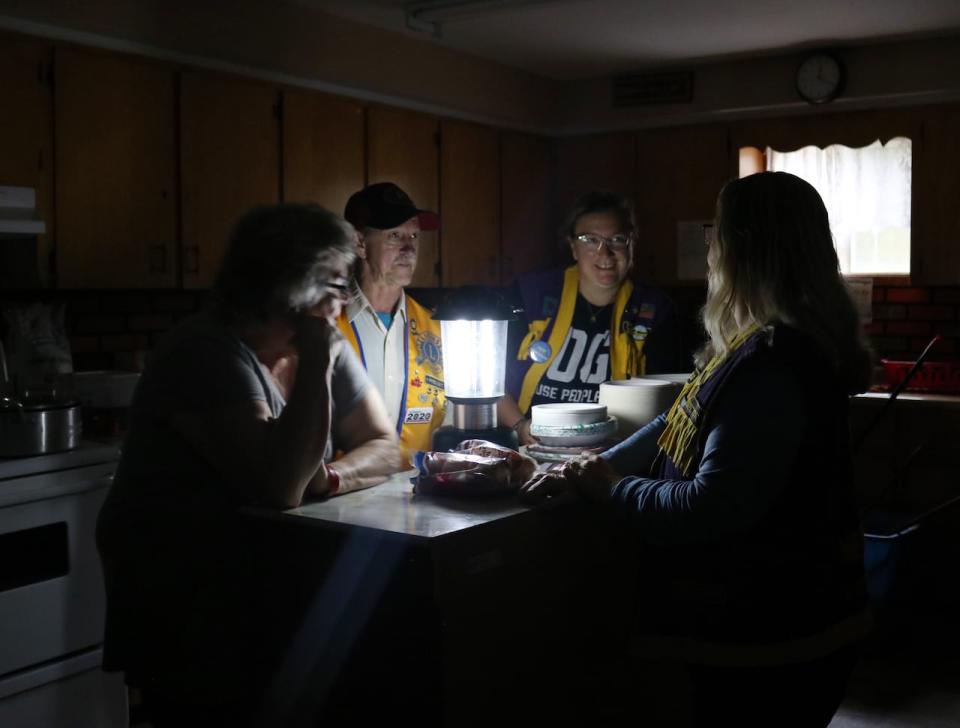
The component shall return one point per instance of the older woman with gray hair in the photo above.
(211, 432)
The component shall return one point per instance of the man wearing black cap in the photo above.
(395, 337)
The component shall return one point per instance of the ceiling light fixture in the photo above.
(427, 16)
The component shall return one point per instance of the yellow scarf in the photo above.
(679, 439)
(626, 353)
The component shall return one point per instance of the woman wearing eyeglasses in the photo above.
(191, 597)
(588, 323)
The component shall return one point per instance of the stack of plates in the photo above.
(565, 430)
(637, 401)
(558, 454)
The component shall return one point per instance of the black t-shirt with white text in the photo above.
(583, 361)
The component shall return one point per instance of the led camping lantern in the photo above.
(473, 327)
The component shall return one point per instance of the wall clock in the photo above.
(820, 77)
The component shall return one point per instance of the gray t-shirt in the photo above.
(181, 567)
(200, 366)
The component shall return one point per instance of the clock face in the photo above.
(820, 78)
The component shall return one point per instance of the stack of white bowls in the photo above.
(566, 430)
(635, 402)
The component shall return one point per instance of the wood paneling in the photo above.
(935, 249)
(230, 162)
(403, 147)
(470, 202)
(529, 240)
(115, 171)
(855, 129)
(26, 130)
(323, 148)
(596, 162)
(681, 172)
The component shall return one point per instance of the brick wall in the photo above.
(905, 318)
(115, 330)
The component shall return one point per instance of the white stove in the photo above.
(52, 602)
(89, 453)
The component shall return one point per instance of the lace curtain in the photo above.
(867, 195)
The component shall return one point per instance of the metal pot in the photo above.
(38, 427)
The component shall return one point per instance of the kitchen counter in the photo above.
(911, 399)
(393, 507)
(470, 608)
(908, 454)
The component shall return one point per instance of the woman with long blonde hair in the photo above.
(743, 490)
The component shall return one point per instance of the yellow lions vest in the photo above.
(424, 403)
(627, 358)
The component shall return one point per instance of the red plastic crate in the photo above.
(941, 377)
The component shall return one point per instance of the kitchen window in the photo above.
(867, 192)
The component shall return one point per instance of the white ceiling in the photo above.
(570, 39)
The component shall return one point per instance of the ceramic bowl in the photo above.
(575, 435)
(563, 414)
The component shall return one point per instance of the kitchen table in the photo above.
(456, 612)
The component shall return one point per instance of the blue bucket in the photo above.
(887, 560)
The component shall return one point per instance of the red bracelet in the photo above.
(333, 480)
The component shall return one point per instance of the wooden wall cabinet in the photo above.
(26, 133)
(934, 250)
(680, 172)
(229, 160)
(323, 148)
(528, 239)
(115, 172)
(404, 147)
(470, 204)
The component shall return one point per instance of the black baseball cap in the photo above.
(383, 205)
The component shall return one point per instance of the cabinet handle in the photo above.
(191, 263)
(157, 258)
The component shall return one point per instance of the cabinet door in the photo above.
(934, 253)
(681, 172)
(470, 199)
(322, 148)
(402, 148)
(528, 230)
(230, 162)
(116, 155)
(26, 135)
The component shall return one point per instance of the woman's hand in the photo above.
(550, 486)
(592, 476)
(316, 339)
(522, 428)
(509, 415)
(589, 477)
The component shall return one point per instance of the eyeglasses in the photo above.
(342, 288)
(615, 243)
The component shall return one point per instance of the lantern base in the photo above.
(446, 438)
